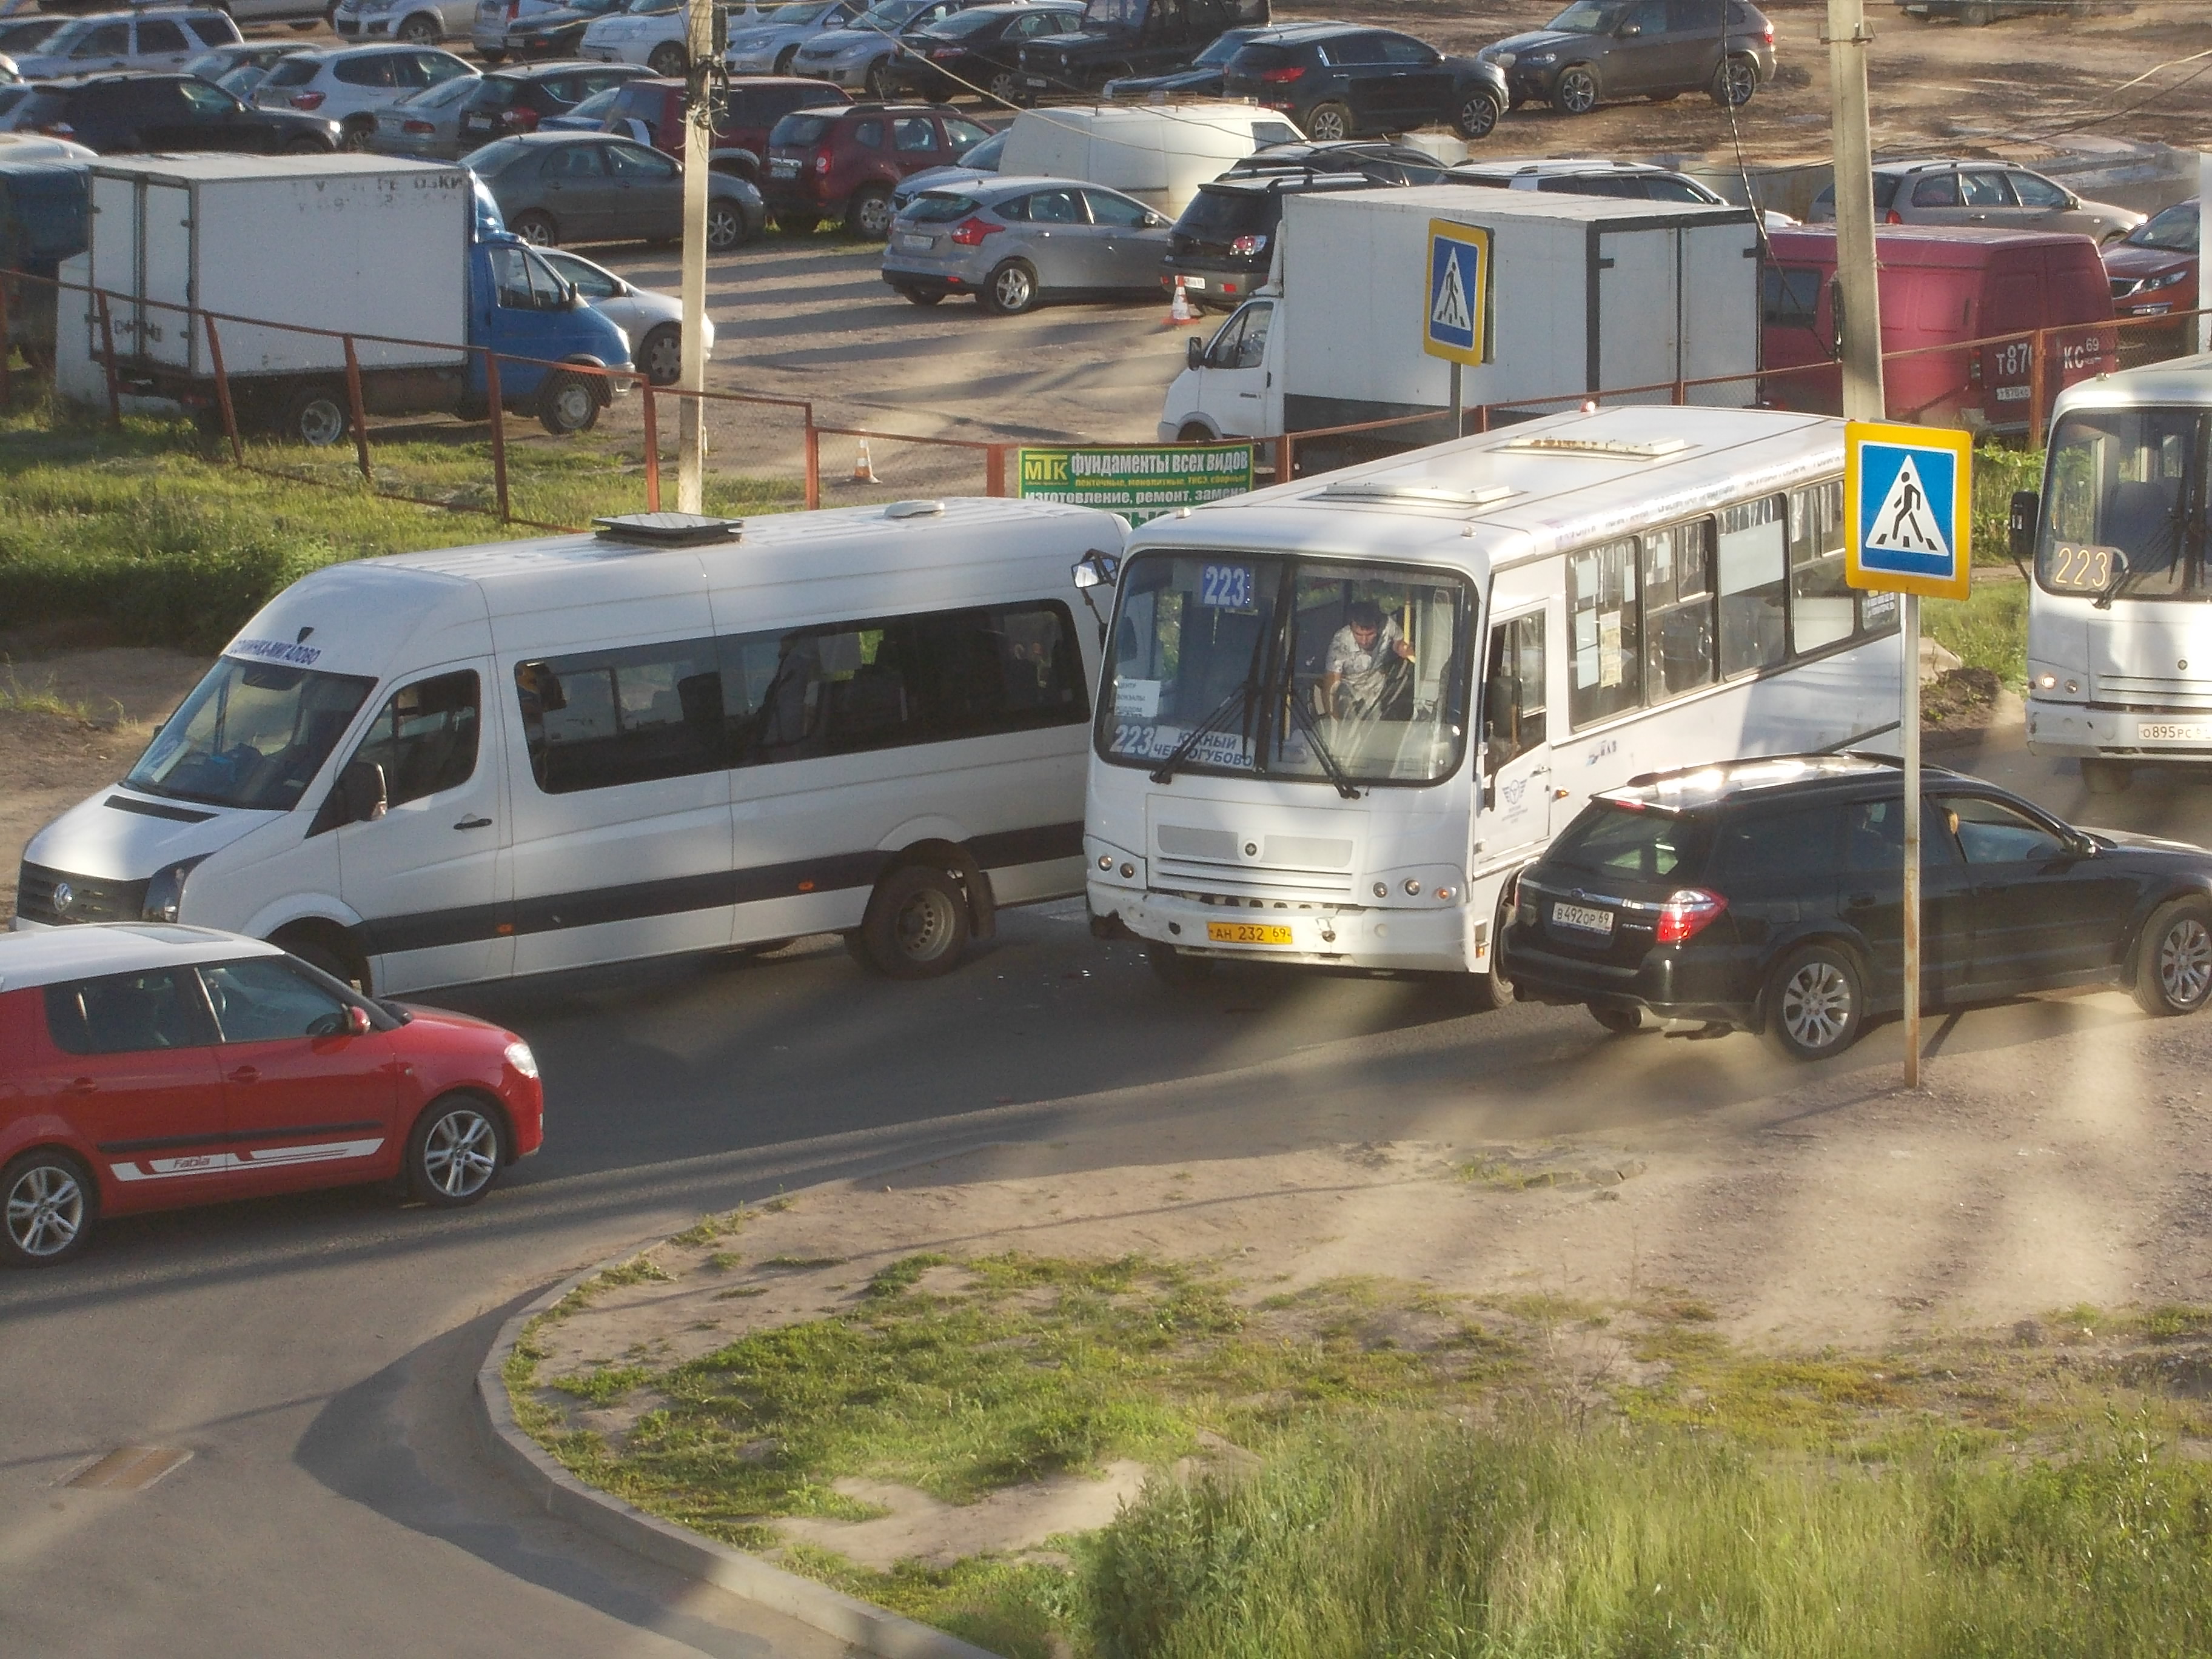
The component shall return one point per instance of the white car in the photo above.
(768, 47)
(649, 32)
(350, 84)
(854, 55)
(418, 22)
(126, 40)
(1591, 176)
(37, 147)
(654, 322)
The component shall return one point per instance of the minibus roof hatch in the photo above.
(668, 529)
(1388, 490)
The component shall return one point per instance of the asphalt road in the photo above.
(313, 1354)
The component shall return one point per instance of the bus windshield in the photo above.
(252, 734)
(2123, 512)
(1323, 670)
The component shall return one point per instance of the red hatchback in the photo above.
(147, 1066)
(841, 164)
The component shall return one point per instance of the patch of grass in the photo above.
(602, 1385)
(1987, 629)
(740, 1291)
(804, 1262)
(710, 1229)
(722, 1261)
(638, 1270)
(902, 1275)
(1018, 1609)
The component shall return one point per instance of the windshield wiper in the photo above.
(1238, 699)
(1312, 728)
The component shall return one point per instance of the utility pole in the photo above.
(698, 142)
(1859, 292)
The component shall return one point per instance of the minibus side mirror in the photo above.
(1193, 352)
(2020, 526)
(362, 785)
(1095, 570)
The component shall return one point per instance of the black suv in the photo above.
(1339, 81)
(1768, 895)
(118, 113)
(1599, 50)
(1120, 38)
(1222, 244)
(511, 100)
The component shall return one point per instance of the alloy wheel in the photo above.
(1738, 82)
(724, 228)
(1577, 93)
(460, 1155)
(1013, 288)
(45, 1211)
(2184, 963)
(1816, 1005)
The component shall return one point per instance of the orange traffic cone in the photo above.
(864, 471)
(1181, 311)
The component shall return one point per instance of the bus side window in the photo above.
(1606, 670)
(1513, 691)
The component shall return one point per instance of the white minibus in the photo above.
(679, 734)
(1340, 712)
(2119, 631)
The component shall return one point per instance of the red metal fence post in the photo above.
(223, 401)
(360, 416)
(651, 446)
(498, 430)
(107, 360)
(1286, 465)
(2035, 380)
(994, 469)
(813, 463)
(1481, 422)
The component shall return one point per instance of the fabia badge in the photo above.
(64, 896)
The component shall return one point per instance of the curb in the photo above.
(866, 1626)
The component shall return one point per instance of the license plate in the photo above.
(783, 168)
(1035, 80)
(1246, 932)
(2147, 732)
(2012, 394)
(476, 123)
(912, 239)
(1197, 283)
(1583, 920)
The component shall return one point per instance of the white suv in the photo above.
(126, 40)
(418, 22)
(348, 85)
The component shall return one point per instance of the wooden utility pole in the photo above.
(698, 142)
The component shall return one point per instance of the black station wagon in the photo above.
(1768, 895)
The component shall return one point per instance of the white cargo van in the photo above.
(679, 734)
(1159, 153)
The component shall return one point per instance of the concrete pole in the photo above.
(2203, 266)
(698, 140)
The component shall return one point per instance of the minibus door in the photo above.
(1513, 809)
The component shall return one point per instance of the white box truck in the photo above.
(370, 245)
(1589, 296)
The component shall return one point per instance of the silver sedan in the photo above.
(426, 123)
(1015, 243)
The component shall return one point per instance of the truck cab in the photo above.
(1231, 384)
(523, 309)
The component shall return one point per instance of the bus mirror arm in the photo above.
(2020, 526)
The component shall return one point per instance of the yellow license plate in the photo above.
(1245, 932)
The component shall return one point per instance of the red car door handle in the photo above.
(79, 1085)
(245, 1074)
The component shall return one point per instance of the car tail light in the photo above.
(822, 160)
(1689, 913)
(1246, 245)
(417, 126)
(526, 119)
(970, 233)
(1892, 217)
(1285, 76)
(1770, 34)
(306, 101)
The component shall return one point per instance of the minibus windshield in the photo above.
(252, 734)
(2123, 512)
(1325, 671)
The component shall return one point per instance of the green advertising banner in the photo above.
(1138, 484)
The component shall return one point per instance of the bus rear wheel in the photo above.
(916, 925)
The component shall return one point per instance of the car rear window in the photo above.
(796, 130)
(500, 153)
(932, 207)
(1885, 191)
(1627, 843)
(1253, 59)
(495, 92)
(292, 72)
(1218, 214)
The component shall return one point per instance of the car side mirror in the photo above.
(1630, 31)
(2080, 846)
(1193, 352)
(362, 785)
(2020, 523)
(357, 1020)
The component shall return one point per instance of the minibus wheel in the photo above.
(917, 926)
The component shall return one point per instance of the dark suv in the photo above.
(115, 114)
(1768, 895)
(841, 163)
(751, 104)
(1380, 161)
(511, 100)
(1120, 38)
(1597, 51)
(1340, 81)
(1221, 245)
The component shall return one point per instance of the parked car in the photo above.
(221, 63)
(21, 37)
(417, 22)
(557, 187)
(2153, 271)
(655, 321)
(1940, 287)
(1981, 13)
(769, 46)
(488, 30)
(426, 123)
(558, 33)
(1220, 247)
(511, 100)
(1636, 181)
(1992, 193)
(301, 15)
(1597, 51)
(976, 167)
(1018, 243)
(841, 163)
(977, 50)
(592, 115)
(651, 110)
(651, 32)
(1767, 895)
(347, 85)
(1199, 78)
(36, 146)
(152, 1067)
(1377, 159)
(1121, 40)
(858, 54)
(116, 114)
(1343, 80)
(125, 40)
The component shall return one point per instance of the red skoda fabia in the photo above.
(146, 1066)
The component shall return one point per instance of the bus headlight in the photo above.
(2047, 682)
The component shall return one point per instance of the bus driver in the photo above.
(1363, 661)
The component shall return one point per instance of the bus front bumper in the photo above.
(1424, 940)
(2078, 729)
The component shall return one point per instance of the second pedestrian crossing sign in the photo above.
(1908, 492)
(1457, 321)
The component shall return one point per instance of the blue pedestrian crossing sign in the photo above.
(1908, 492)
(1457, 323)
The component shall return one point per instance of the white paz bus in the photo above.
(1338, 714)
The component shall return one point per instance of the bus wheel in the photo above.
(2106, 777)
(1176, 967)
(917, 926)
(1487, 989)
